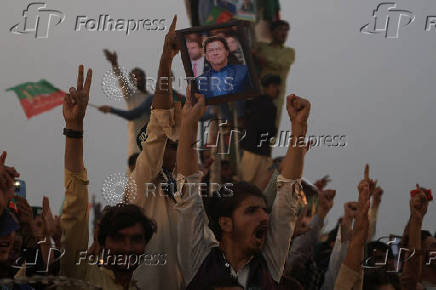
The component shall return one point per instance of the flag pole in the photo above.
(236, 140)
(92, 105)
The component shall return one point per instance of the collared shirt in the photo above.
(348, 279)
(197, 240)
(163, 124)
(198, 66)
(337, 257)
(231, 79)
(75, 225)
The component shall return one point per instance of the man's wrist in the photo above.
(74, 125)
(299, 130)
(346, 221)
(189, 124)
(416, 220)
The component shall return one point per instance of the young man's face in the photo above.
(280, 34)
(250, 224)
(127, 241)
(226, 173)
(194, 50)
(38, 227)
(216, 53)
(139, 77)
(273, 91)
(232, 43)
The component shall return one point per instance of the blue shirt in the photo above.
(231, 79)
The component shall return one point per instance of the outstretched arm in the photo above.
(130, 115)
(284, 209)
(75, 217)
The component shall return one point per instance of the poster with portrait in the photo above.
(218, 62)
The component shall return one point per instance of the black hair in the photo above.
(424, 235)
(278, 23)
(377, 245)
(141, 72)
(121, 216)
(374, 279)
(197, 41)
(132, 160)
(271, 79)
(214, 39)
(231, 33)
(224, 202)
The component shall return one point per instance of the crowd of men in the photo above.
(262, 229)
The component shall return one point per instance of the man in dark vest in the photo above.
(249, 248)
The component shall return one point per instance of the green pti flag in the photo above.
(39, 97)
(218, 15)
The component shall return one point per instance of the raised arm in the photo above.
(163, 93)
(187, 163)
(284, 209)
(373, 212)
(112, 58)
(162, 124)
(298, 110)
(350, 275)
(413, 265)
(194, 237)
(302, 247)
(75, 217)
(340, 248)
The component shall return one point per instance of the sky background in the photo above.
(378, 92)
